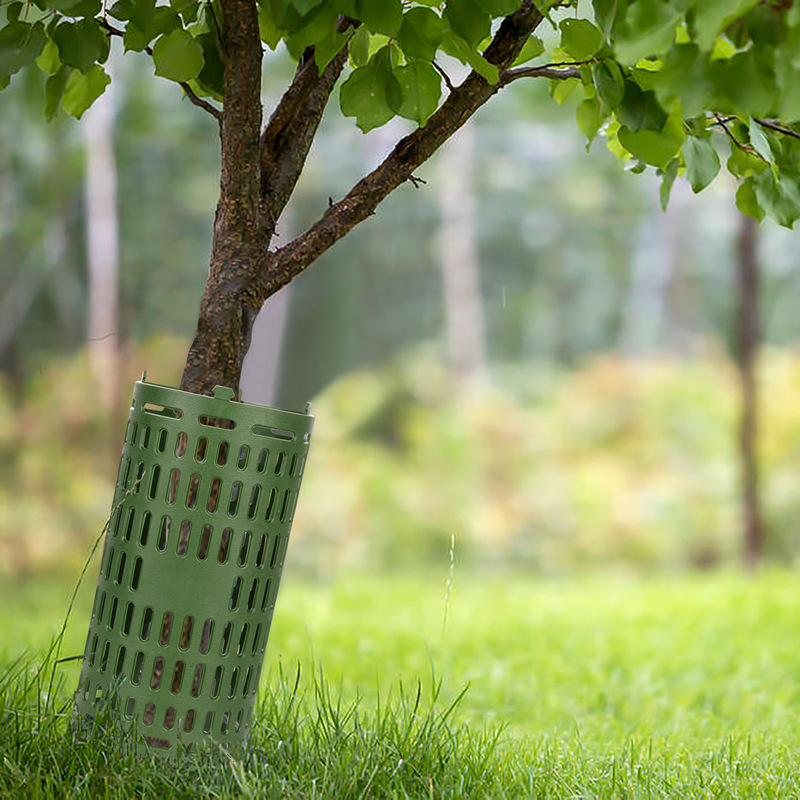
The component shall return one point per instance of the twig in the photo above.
(774, 125)
(723, 123)
(416, 181)
(190, 93)
(444, 75)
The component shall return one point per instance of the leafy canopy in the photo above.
(679, 86)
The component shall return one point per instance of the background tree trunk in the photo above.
(458, 250)
(102, 245)
(747, 334)
(261, 369)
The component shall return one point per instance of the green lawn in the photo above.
(599, 687)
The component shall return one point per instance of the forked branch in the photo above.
(398, 167)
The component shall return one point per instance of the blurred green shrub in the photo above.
(615, 464)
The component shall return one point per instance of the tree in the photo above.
(669, 83)
(747, 341)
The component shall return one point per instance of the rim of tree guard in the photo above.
(203, 506)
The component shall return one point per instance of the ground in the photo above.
(600, 686)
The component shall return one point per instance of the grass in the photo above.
(598, 687)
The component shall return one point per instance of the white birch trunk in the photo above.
(458, 250)
(261, 369)
(102, 245)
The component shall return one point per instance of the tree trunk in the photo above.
(102, 245)
(465, 326)
(747, 331)
(229, 307)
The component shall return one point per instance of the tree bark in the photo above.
(748, 335)
(227, 309)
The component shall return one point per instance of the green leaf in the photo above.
(210, 76)
(652, 147)
(779, 196)
(499, 8)
(177, 56)
(702, 162)
(743, 85)
(759, 141)
(468, 20)
(532, 48)
(421, 87)
(788, 79)
(80, 44)
(359, 47)
(381, 16)
(747, 202)
(609, 82)
(269, 32)
(657, 148)
(163, 20)
(314, 28)
(668, 175)
(742, 164)
(649, 29)
(48, 61)
(75, 8)
(13, 10)
(371, 94)
(640, 110)
(347, 7)
(589, 117)
(188, 9)
(83, 89)
(684, 75)
(5, 80)
(455, 46)
(560, 91)
(421, 33)
(305, 6)
(54, 91)
(711, 17)
(605, 13)
(328, 48)
(20, 44)
(580, 38)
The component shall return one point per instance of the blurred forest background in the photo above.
(524, 353)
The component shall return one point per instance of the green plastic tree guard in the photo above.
(204, 501)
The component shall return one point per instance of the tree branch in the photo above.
(557, 71)
(723, 123)
(445, 77)
(775, 125)
(411, 151)
(287, 137)
(190, 93)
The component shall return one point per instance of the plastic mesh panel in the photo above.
(204, 501)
